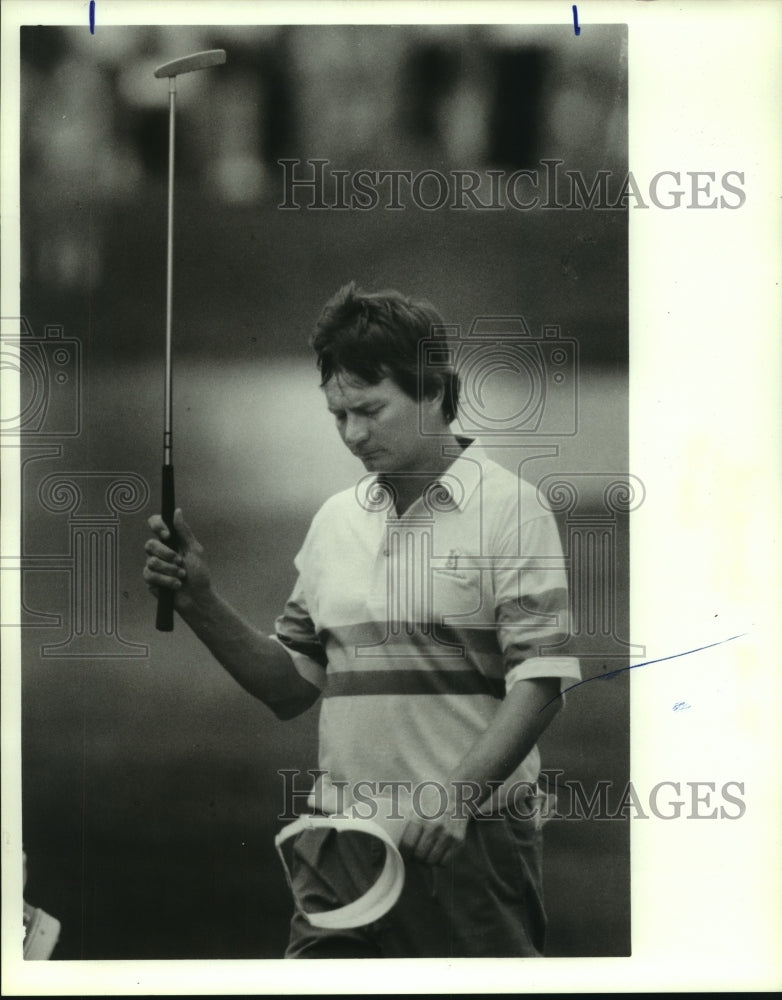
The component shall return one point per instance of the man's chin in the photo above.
(372, 463)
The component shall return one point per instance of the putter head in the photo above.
(189, 64)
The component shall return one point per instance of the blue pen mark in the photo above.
(635, 666)
(680, 706)
(577, 30)
(92, 17)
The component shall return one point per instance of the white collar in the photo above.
(453, 487)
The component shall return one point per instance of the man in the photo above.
(424, 601)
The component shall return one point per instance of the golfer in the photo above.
(429, 598)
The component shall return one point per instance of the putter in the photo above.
(186, 64)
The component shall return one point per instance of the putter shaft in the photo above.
(187, 64)
(168, 406)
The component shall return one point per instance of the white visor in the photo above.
(378, 899)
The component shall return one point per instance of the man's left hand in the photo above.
(434, 828)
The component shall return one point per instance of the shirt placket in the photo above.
(408, 554)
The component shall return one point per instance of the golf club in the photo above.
(186, 64)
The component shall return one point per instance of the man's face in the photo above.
(381, 424)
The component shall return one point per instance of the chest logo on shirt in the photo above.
(453, 568)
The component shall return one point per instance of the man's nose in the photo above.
(355, 430)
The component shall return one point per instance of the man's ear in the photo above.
(435, 393)
(432, 400)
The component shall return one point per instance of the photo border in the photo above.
(704, 321)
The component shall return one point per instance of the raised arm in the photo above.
(261, 665)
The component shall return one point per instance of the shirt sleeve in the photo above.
(531, 603)
(295, 630)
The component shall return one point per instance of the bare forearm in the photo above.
(261, 665)
(526, 711)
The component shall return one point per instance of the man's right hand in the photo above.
(185, 572)
(262, 665)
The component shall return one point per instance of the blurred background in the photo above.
(150, 784)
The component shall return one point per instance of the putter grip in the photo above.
(165, 602)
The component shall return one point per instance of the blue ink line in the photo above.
(92, 17)
(577, 30)
(635, 666)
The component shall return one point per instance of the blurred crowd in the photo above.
(95, 119)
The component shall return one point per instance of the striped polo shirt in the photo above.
(415, 627)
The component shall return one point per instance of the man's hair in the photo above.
(376, 336)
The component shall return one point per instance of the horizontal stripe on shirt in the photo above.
(307, 647)
(408, 682)
(411, 639)
(520, 652)
(527, 607)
